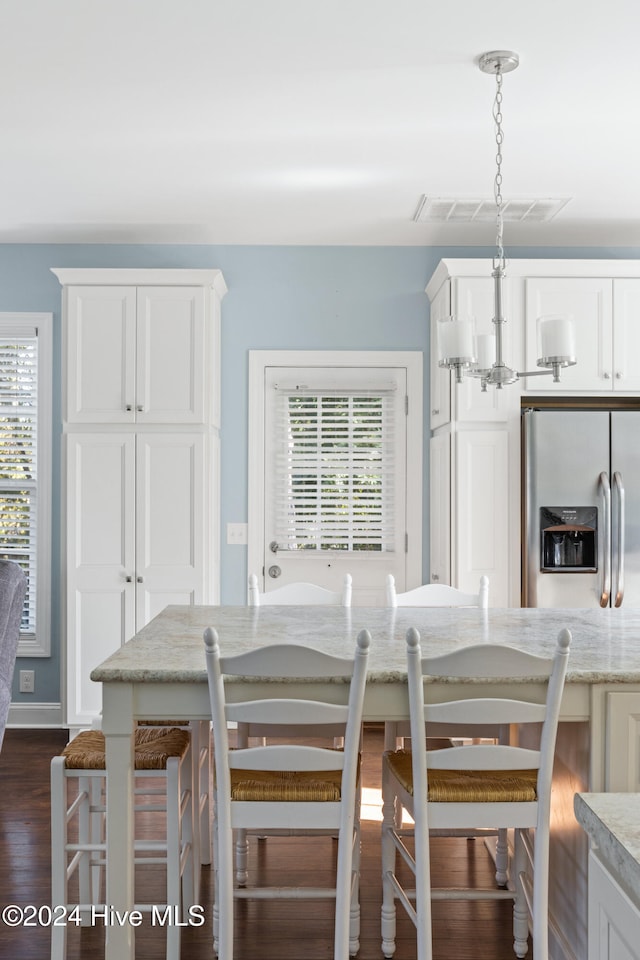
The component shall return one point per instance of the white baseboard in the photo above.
(35, 715)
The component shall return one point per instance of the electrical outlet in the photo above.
(236, 533)
(27, 681)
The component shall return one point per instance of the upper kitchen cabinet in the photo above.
(468, 297)
(606, 316)
(626, 335)
(137, 351)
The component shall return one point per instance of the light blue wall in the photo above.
(342, 298)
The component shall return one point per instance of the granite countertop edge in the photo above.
(612, 822)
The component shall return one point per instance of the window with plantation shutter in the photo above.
(335, 472)
(25, 468)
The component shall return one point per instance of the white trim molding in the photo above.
(23, 715)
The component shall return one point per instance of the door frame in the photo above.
(412, 361)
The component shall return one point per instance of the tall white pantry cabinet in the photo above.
(141, 424)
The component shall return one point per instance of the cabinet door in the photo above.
(474, 297)
(100, 354)
(622, 742)
(171, 522)
(440, 507)
(440, 377)
(614, 919)
(480, 528)
(100, 592)
(626, 335)
(171, 357)
(589, 301)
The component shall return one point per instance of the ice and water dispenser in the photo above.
(569, 538)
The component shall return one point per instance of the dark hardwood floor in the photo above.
(294, 930)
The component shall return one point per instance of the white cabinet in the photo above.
(606, 315)
(469, 514)
(622, 741)
(135, 355)
(141, 435)
(137, 517)
(626, 335)
(440, 469)
(480, 522)
(440, 382)
(614, 918)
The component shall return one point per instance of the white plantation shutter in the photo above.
(19, 458)
(335, 469)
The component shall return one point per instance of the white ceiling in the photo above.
(300, 122)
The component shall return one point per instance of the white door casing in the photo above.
(399, 375)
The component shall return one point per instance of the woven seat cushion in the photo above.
(153, 747)
(286, 785)
(467, 786)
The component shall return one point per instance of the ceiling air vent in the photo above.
(519, 210)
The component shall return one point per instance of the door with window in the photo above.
(336, 496)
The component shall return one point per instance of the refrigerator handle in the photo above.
(618, 487)
(606, 536)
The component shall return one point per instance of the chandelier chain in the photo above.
(497, 183)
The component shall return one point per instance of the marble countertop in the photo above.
(612, 821)
(605, 645)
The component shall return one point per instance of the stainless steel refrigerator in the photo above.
(581, 508)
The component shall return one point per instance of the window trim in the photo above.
(259, 360)
(40, 645)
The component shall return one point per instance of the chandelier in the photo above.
(481, 356)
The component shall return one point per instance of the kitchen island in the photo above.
(160, 673)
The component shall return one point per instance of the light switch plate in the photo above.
(237, 533)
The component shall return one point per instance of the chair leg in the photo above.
(223, 912)
(216, 862)
(98, 836)
(502, 859)
(59, 893)
(204, 802)
(540, 923)
(344, 902)
(354, 915)
(388, 911)
(424, 949)
(85, 823)
(520, 908)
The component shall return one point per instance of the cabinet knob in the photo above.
(606, 375)
(434, 413)
(618, 375)
(129, 407)
(140, 408)
(139, 579)
(128, 578)
(434, 576)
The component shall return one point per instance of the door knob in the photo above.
(274, 572)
